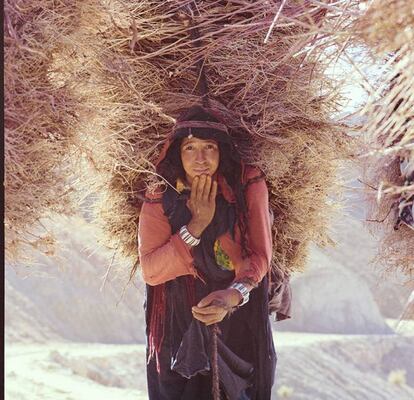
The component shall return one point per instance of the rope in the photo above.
(214, 362)
(202, 85)
(202, 88)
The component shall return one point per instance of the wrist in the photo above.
(236, 297)
(187, 237)
(195, 228)
(243, 291)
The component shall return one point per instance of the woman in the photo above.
(205, 247)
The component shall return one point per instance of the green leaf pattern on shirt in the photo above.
(222, 257)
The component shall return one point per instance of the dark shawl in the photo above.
(246, 354)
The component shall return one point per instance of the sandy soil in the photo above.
(310, 366)
(67, 339)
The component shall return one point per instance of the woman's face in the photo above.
(199, 156)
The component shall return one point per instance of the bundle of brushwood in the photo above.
(40, 120)
(101, 82)
(387, 28)
(264, 65)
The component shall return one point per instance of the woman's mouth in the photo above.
(201, 171)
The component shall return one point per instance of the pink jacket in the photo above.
(164, 256)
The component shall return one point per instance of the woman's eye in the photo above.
(211, 146)
(188, 148)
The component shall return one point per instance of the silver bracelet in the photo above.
(188, 237)
(242, 290)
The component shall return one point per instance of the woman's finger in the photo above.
(205, 301)
(213, 192)
(212, 299)
(209, 319)
(207, 316)
(207, 310)
(207, 188)
(214, 320)
(200, 188)
(204, 317)
(194, 187)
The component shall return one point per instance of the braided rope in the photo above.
(214, 363)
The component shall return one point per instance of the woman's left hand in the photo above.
(214, 307)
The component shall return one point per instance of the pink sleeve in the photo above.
(259, 233)
(162, 256)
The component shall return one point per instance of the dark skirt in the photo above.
(246, 332)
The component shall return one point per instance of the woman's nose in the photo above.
(200, 156)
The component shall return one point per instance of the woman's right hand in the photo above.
(202, 203)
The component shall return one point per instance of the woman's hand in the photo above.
(202, 203)
(214, 307)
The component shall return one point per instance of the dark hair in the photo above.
(171, 167)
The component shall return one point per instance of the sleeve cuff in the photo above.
(182, 249)
(250, 275)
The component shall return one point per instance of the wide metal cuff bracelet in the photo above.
(243, 291)
(188, 237)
